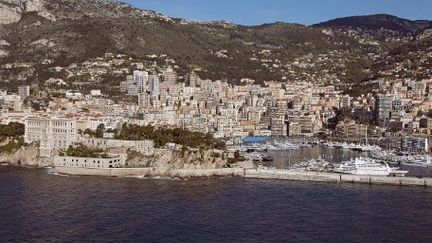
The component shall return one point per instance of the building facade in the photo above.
(113, 161)
(51, 133)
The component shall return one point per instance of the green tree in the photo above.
(100, 130)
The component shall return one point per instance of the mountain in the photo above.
(39, 36)
(405, 44)
(380, 23)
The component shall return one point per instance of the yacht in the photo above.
(365, 148)
(426, 163)
(271, 147)
(284, 146)
(254, 156)
(367, 166)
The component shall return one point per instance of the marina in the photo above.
(338, 163)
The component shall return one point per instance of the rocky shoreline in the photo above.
(27, 157)
(164, 163)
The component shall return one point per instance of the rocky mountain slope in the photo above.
(380, 25)
(38, 35)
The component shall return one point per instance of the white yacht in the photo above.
(367, 166)
(254, 156)
(426, 163)
(284, 146)
(271, 147)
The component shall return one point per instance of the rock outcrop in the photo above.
(26, 156)
(188, 159)
(10, 11)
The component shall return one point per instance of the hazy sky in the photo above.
(252, 12)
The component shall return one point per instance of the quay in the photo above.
(149, 172)
(260, 173)
(275, 174)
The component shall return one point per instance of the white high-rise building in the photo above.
(141, 79)
(51, 133)
(154, 85)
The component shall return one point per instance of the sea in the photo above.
(37, 206)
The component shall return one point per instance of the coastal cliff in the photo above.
(163, 163)
(186, 159)
(25, 156)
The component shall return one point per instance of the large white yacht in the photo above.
(367, 166)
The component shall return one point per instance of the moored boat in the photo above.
(367, 166)
(425, 163)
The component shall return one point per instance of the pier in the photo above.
(260, 173)
(276, 174)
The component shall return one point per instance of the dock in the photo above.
(255, 173)
(276, 174)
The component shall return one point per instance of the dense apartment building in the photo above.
(351, 130)
(415, 144)
(383, 107)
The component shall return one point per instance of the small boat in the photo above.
(267, 158)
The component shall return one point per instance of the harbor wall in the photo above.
(150, 172)
(335, 178)
(273, 174)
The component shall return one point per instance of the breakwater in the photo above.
(261, 173)
(335, 178)
(150, 172)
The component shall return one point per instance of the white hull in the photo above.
(369, 173)
(367, 167)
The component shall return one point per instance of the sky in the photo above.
(256, 12)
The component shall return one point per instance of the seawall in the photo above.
(270, 174)
(150, 172)
(335, 178)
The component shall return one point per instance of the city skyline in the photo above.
(305, 12)
(215, 121)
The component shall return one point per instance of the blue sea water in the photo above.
(39, 207)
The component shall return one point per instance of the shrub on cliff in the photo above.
(83, 152)
(13, 129)
(12, 146)
(133, 154)
(163, 136)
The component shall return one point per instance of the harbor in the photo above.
(337, 163)
(283, 160)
